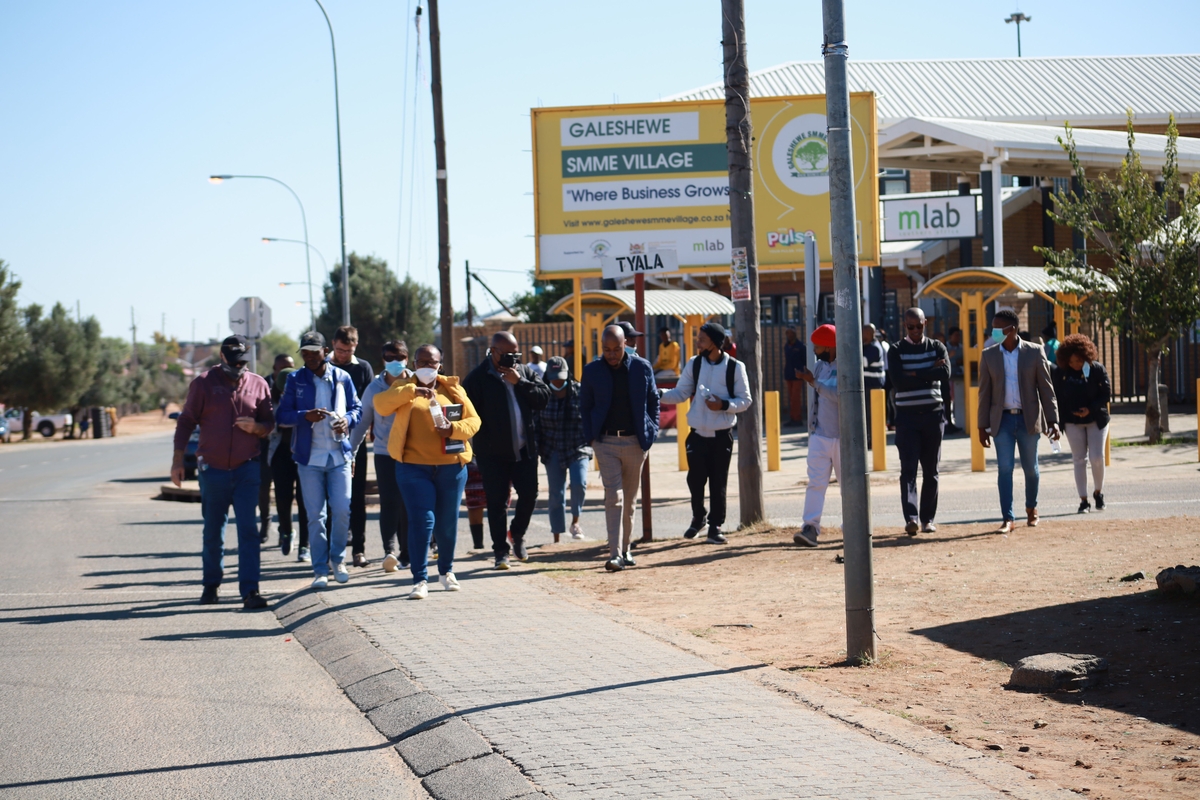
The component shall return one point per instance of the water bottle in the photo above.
(1055, 447)
(439, 417)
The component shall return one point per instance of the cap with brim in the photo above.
(536, 349)
(235, 349)
(630, 331)
(313, 340)
(556, 369)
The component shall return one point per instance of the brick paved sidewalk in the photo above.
(589, 707)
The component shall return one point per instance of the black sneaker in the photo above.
(911, 527)
(519, 551)
(1084, 506)
(1099, 498)
(614, 565)
(715, 536)
(285, 543)
(209, 596)
(502, 563)
(627, 559)
(807, 536)
(254, 602)
(693, 530)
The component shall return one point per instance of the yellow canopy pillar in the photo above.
(577, 326)
(691, 326)
(974, 329)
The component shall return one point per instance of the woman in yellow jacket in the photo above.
(431, 460)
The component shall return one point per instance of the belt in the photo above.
(1014, 411)
(619, 433)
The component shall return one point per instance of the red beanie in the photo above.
(825, 336)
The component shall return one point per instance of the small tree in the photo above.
(275, 343)
(536, 305)
(381, 307)
(1151, 236)
(12, 333)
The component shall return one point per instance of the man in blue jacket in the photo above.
(320, 401)
(619, 402)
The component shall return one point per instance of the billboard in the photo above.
(951, 217)
(611, 181)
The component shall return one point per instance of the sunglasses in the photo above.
(916, 327)
(395, 357)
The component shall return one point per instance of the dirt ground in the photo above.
(954, 611)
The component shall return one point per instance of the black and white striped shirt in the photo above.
(919, 393)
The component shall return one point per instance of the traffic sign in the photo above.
(250, 317)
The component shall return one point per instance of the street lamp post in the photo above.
(1018, 18)
(308, 283)
(303, 219)
(337, 116)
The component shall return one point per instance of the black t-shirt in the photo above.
(360, 374)
(620, 413)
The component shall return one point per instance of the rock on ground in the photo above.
(1054, 672)
(1180, 579)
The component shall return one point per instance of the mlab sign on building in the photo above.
(947, 217)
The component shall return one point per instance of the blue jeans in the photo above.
(1013, 435)
(219, 488)
(318, 483)
(432, 495)
(557, 470)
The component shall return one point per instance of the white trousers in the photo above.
(824, 458)
(1087, 444)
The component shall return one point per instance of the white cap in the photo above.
(536, 349)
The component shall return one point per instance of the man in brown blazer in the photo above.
(1016, 405)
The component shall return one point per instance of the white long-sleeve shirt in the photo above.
(827, 417)
(704, 420)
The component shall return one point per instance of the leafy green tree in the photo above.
(536, 305)
(1150, 235)
(56, 367)
(110, 387)
(12, 333)
(381, 307)
(273, 344)
(813, 153)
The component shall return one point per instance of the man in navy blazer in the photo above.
(619, 402)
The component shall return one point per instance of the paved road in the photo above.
(113, 683)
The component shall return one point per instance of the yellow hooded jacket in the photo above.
(413, 439)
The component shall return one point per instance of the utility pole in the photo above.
(470, 311)
(1018, 18)
(443, 205)
(133, 361)
(738, 133)
(847, 316)
(337, 116)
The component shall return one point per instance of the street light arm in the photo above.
(337, 115)
(298, 241)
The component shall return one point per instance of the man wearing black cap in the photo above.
(719, 390)
(232, 406)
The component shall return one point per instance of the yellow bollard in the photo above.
(1108, 436)
(681, 432)
(879, 429)
(1198, 417)
(772, 403)
(977, 456)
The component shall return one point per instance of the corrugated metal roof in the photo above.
(1091, 90)
(667, 302)
(1025, 279)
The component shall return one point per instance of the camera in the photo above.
(509, 360)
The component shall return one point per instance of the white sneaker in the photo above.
(390, 563)
(320, 582)
(449, 582)
(341, 574)
(576, 532)
(419, 592)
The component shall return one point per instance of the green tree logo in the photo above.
(813, 153)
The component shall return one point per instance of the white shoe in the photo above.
(419, 592)
(449, 582)
(341, 574)
(390, 563)
(320, 582)
(576, 532)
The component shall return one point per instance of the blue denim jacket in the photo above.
(298, 398)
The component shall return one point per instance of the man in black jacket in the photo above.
(345, 340)
(918, 368)
(506, 393)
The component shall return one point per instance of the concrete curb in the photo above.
(873, 722)
(449, 756)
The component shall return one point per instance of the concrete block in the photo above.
(489, 778)
(370, 693)
(358, 665)
(318, 629)
(339, 646)
(438, 748)
(409, 715)
(296, 603)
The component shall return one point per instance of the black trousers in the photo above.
(358, 502)
(264, 485)
(708, 463)
(919, 440)
(393, 516)
(287, 487)
(497, 474)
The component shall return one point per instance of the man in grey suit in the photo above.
(1016, 405)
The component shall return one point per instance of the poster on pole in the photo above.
(739, 276)
(610, 181)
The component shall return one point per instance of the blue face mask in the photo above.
(998, 335)
(631, 350)
(394, 368)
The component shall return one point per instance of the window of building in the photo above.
(893, 181)
(766, 310)
(790, 308)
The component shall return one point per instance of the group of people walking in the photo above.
(437, 438)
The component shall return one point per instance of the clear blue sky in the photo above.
(112, 115)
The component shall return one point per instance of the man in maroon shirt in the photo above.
(232, 406)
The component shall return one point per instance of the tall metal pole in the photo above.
(470, 311)
(443, 204)
(639, 319)
(337, 115)
(738, 134)
(856, 493)
(812, 291)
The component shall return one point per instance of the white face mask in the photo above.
(427, 375)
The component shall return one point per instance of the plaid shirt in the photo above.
(560, 427)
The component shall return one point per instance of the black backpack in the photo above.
(730, 374)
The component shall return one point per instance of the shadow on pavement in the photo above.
(1148, 639)
(160, 479)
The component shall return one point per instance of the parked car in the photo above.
(189, 456)
(45, 424)
(5, 430)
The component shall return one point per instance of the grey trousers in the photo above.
(621, 473)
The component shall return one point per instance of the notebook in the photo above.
(454, 413)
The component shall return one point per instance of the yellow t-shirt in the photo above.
(668, 357)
